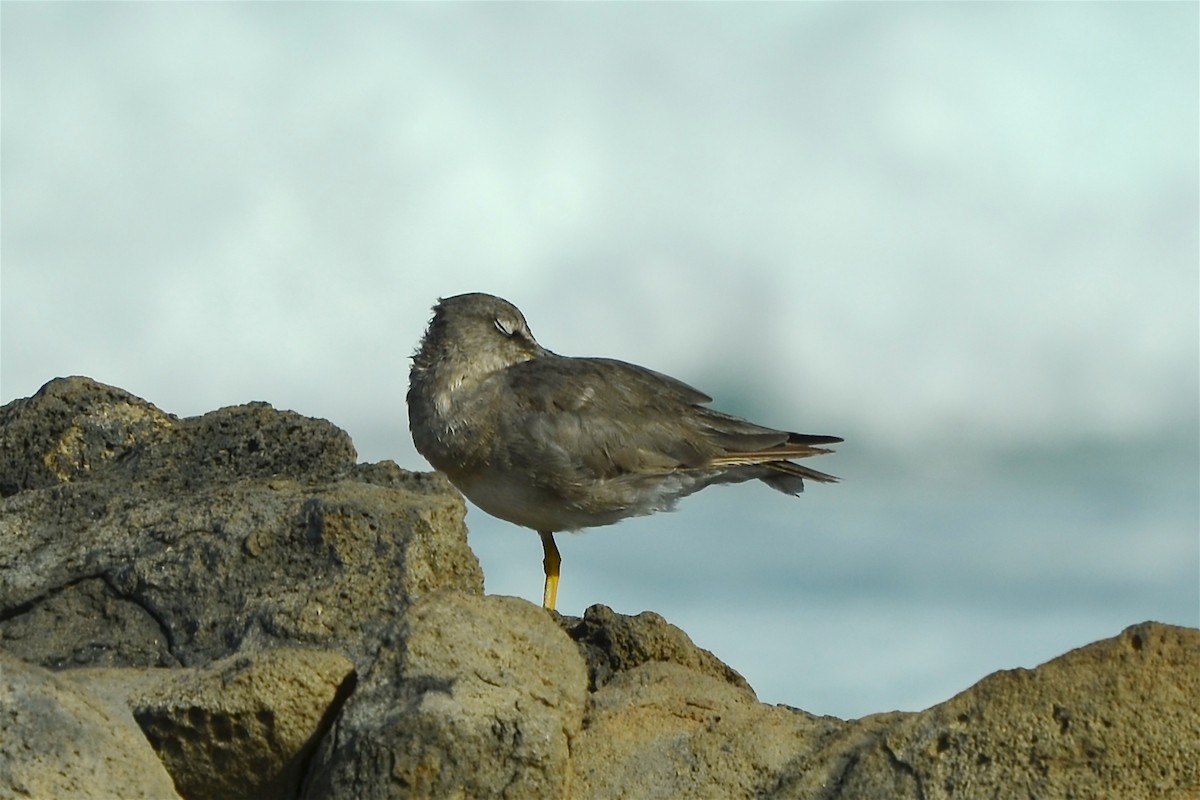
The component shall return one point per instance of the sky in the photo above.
(958, 235)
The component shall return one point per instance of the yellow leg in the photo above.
(550, 563)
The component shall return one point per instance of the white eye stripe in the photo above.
(505, 326)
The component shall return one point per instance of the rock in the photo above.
(247, 545)
(479, 697)
(57, 740)
(612, 643)
(70, 427)
(241, 727)
(139, 539)
(1117, 718)
(76, 428)
(83, 623)
(661, 730)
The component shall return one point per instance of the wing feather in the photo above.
(602, 418)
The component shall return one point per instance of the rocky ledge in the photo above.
(230, 606)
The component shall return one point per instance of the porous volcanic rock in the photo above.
(243, 726)
(613, 643)
(1116, 718)
(282, 622)
(479, 697)
(58, 740)
(133, 538)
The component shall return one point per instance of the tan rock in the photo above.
(242, 726)
(662, 730)
(1119, 718)
(480, 697)
(58, 740)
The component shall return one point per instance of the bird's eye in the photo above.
(505, 326)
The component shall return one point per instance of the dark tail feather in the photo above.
(789, 478)
(798, 471)
(812, 438)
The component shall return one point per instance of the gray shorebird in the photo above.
(554, 443)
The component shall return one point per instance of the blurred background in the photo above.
(962, 236)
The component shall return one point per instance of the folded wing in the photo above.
(600, 418)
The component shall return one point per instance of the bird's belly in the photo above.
(511, 497)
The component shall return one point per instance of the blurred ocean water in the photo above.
(896, 588)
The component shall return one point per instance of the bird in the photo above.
(557, 443)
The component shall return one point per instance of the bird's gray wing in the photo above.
(602, 418)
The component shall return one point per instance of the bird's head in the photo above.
(473, 335)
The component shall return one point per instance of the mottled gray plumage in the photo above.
(559, 444)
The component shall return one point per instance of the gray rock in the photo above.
(75, 429)
(83, 623)
(612, 643)
(479, 697)
(57, 740)
(138, 539)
